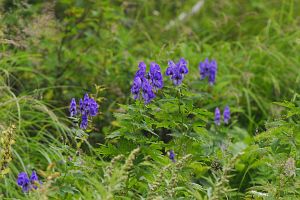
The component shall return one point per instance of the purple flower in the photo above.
(217, 117)
(73, 110)
(155, 76)
(34, 179)
(147, 92)
(226, 115)
(146, 84)
(177, 71)
(204, 68)
(208, 69)
(81, 107)
(213, 72)
(93, 109)
(177, 77)
(84, 121)
(172, 155)
(170, 69)
(142, 70)
(86, 105)
(182, 65)
(24, 181)
(136, 86)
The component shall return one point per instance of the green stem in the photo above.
(181, 114)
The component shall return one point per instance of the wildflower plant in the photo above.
(88, 107)
(147, 84)
(208, 68)
(177, 71)
(27, 184)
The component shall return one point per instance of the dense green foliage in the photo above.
(52, 51)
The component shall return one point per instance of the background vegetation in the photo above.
(52, 51)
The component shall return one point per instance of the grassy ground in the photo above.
(53, 51)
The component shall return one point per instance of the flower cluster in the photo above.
(87, 107)
(145, 84)
(28, 183)
(208, 69)
(177, 71)
(226, 116)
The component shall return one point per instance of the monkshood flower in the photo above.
(142, 70)
(87, 107)
(73, 110)
(182, 65)
(147, 92)
(208, 69)
(81, 107)
(226, 115)
(213, 72)
(177, 71)
(155, 76)
(204, 68)
(34, 179)
(172, 155)
(26, 183)
(84, 121)
(136, 87)
(93, 107)
(217, 116)
(146, 83)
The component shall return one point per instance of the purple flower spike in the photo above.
(86, 104)
(177, 71)
(34, 179)
(87, 107)
(217, 117)
(146, 84)
(147, 92)
(136, 86)
(155, 76)
(172, 155)
(22, 179)
(204, 68)
(226, 115)
(24, 182)
(213, 72)
(177, 78)
(170, 69)
(84, 121)
(182, 65)
(73, 110)
(142, 70)
(93, 109)
(81, 107)
(208, 69)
